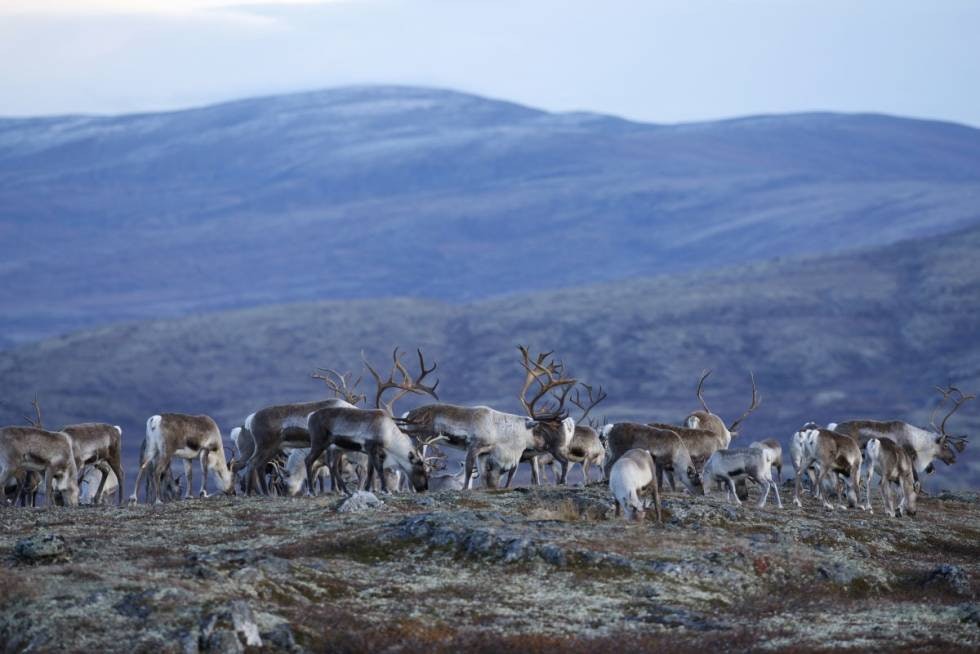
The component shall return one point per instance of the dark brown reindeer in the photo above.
(374, 432)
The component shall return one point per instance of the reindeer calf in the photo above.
(893, 466)
(753, 463)
(630, 475)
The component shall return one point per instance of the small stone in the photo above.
(360, 501)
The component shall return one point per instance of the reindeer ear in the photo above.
(960, 444)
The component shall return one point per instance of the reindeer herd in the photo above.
(310, 447)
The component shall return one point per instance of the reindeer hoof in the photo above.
(828, 506)
(798, 503)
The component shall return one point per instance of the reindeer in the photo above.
(835, 453)
(923, 445)
(52, 453)
(894, 466)
(704, 432)
(100, 446)
(665, 445)
(503, 438)
(186, 437)
(776, 454)
(753, 463)
(169, 483)
(797, 452)
(585, 448)
(449, 481)
(631, 475)
(92, 479)
(275, 428)
(373, 431)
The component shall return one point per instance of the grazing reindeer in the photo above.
(186, 437)
(585, 448)
(835, 453)
(449, 481)
(275, 428)
(51, 453)
(92, 479)
(503, 438)
(373, 431)
(666, 446)
(632, 474)
(752, 463)
(923, 444)
(893, 465)
(99, 445)
(704, 432)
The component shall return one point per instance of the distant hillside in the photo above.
(866, 334)
(393, 191)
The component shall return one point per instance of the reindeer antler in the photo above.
(405, 386)
(704, 375)
(539, 370)
(594, 399)
(340, 385)
(36, 422)
(958, 441)
(756, 401)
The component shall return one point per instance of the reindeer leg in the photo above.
(820, 478)
(379, 461)
(535, 472)
(204, 458)
(470, 466)
(511, 473)
(104, 468)
(764, 489)
(734, 491)
(564, 463)
(867, 494)
(796, 488)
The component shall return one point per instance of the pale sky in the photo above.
(658, 61)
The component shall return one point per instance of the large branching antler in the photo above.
(405, 386)
(340, 385)
(36, 421)
(704, 375)
(756, 401)
(589, 404)
(959, 442)
(549, 377)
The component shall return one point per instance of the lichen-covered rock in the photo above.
(229, 629)
(46, 548)
(360, 501)
(950, 577)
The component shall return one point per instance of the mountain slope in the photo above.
(390, 191)
(866, 334)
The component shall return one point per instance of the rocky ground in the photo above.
(527, 570)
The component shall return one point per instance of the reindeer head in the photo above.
(550, 421)
(418, 474)
(64, 476)
(948, 443)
